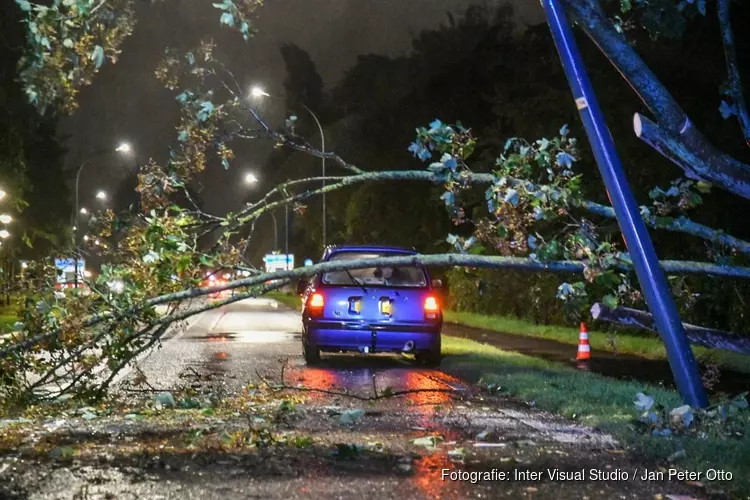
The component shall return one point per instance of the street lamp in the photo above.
(4, 234)
(257, 92)
(2, 194)
(83, 211)
(101, 195)
(6, 219)
(124, 147)
(250, 178)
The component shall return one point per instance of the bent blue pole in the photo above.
(650, 275)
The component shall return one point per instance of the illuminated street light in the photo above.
(101, 195)
(85, 237)
(124, 147)
(84, 211)
(6, 219)
(250, 178)
(96, 242)
(4, 234)
(24, 264)
(2, 194)
(258, 92)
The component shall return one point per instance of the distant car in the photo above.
(218, 277)
(381, 309)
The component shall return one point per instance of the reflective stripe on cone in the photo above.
(584, 349)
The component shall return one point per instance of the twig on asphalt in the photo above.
(284, 387)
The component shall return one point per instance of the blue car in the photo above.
(381, 309)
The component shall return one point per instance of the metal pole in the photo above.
(286, 234)
(323, 163)
(275, 231)
(75, 230)
(646, 264)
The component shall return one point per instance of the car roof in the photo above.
(331, 249)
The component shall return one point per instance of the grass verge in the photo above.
(647, 347)
(8, 317)
(597, 401)
(289, 300)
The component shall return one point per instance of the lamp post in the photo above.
(323, 168)
(257, 92)
(251, 179)
(123, 148)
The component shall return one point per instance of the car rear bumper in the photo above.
(375, 337)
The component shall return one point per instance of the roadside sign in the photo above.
(66, 270)
(278, 262)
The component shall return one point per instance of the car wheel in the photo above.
(429, 358)
(312, 354)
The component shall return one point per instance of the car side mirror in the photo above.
(301, 286)
(437, 284)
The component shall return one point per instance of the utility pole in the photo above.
(286, 234)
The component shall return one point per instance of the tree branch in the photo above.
(450, 259)
(707, 337)
(726, 172)
(703, 163)
(680, 224)
(734, 82)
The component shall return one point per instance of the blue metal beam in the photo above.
(652, 279)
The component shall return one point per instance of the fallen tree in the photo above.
(707, 337)
(538, 216)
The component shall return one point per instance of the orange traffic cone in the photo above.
(584, 349)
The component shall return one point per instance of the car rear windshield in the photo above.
(390, 276)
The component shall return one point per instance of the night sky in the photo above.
(126, 102)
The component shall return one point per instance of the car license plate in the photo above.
(386, 307)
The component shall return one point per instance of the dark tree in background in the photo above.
(503, 83)
(31, 156)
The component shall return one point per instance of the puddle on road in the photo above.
(219, 337)
(250, 337)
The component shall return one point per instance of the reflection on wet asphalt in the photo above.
(225, 349)
(257, 336)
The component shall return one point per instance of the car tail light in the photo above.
(431, 307)
(315, 304)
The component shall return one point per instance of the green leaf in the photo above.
(663, 221)
(429, 442)
(610, 301)
(703, 187)
(62, 452)
(227, 18)
(98, 56)
(349, 417)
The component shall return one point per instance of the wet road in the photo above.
(223, 350)
(237, 344)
